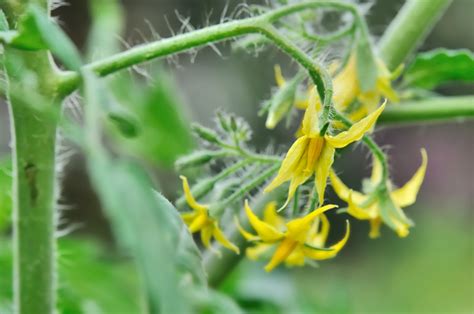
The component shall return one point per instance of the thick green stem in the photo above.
(34, 137)
(412, 24)
(435, 109)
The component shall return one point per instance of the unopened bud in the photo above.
(206, 134)
(197, 158)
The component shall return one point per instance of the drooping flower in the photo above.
(347, 89)
(199, 221)
(378, 207)
(313, 154)
(295, 240)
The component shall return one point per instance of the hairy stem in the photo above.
(434, 109)
(412, 24)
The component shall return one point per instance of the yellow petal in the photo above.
(346, 85)
(188, 217)
(198, 223)
(282, 252)
(206, 234)
(323, 231)
(377, 171)
(221, 238)
(271, 216)
(375, 227)
(290, 163)
(247, 235)
(280, 80)
(310, 125)
(298, 229)
(296, 258)
(406, 195)
(321, 255)
(322, 170)
(362, 213)
(356, 131)
(189, 197)
(255, 252)
(265, 231)
(299, 178)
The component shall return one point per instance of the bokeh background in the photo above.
(430, 271)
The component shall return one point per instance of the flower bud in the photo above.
(196, 159)
(205, 133)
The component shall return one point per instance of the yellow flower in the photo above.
(200, 221)
(295, 240)
(347, 89)
(382, 207)
(313, 154)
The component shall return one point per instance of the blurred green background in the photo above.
(431, 271)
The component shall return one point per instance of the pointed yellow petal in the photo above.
(322, 170)
(385, 88)
(296, 258)
(290, 163)
(339, 187)
(265, 231)
(356, 131)
(377, 171)
(206, 234)
(189, 197)
(188, 217)
(255, 252)
(375, 227)
(271, 216)
(299, 178)
(346, 85)
(198, 223)
(406, 195)
(321, 255)
(221, 238)
(360, 212)
(282, 252)
(247, 235)
(310, 125)
(323, 229)
(280, 80)
(298, 229)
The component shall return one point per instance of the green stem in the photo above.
(411, 26)
(260, 24)
(435, 109)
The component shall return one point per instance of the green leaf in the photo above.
(366, 65)
(36, 31)
(164, 132)
(440, 66)
(143, 220)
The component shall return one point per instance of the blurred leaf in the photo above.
(107, 26)
(439, 66)
(143, 220)
(164, 133)
(366, 65)
(36, 31)
(5, 193)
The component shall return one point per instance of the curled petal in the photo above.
(406, 195)
(282, 252)
(190, 198)
(271, 216)
(298, 229)
(188, 217)
(198, 223)
(206, 234)
(296, 258)
(356, 131)
(255, 252)
(362, 213)
(323, 167)
(247, 235)
(334, 249)
(265, 231)
(290, 163)
(221, 238)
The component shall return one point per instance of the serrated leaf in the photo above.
(366, 65)
(440, 66)
(143, 220)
